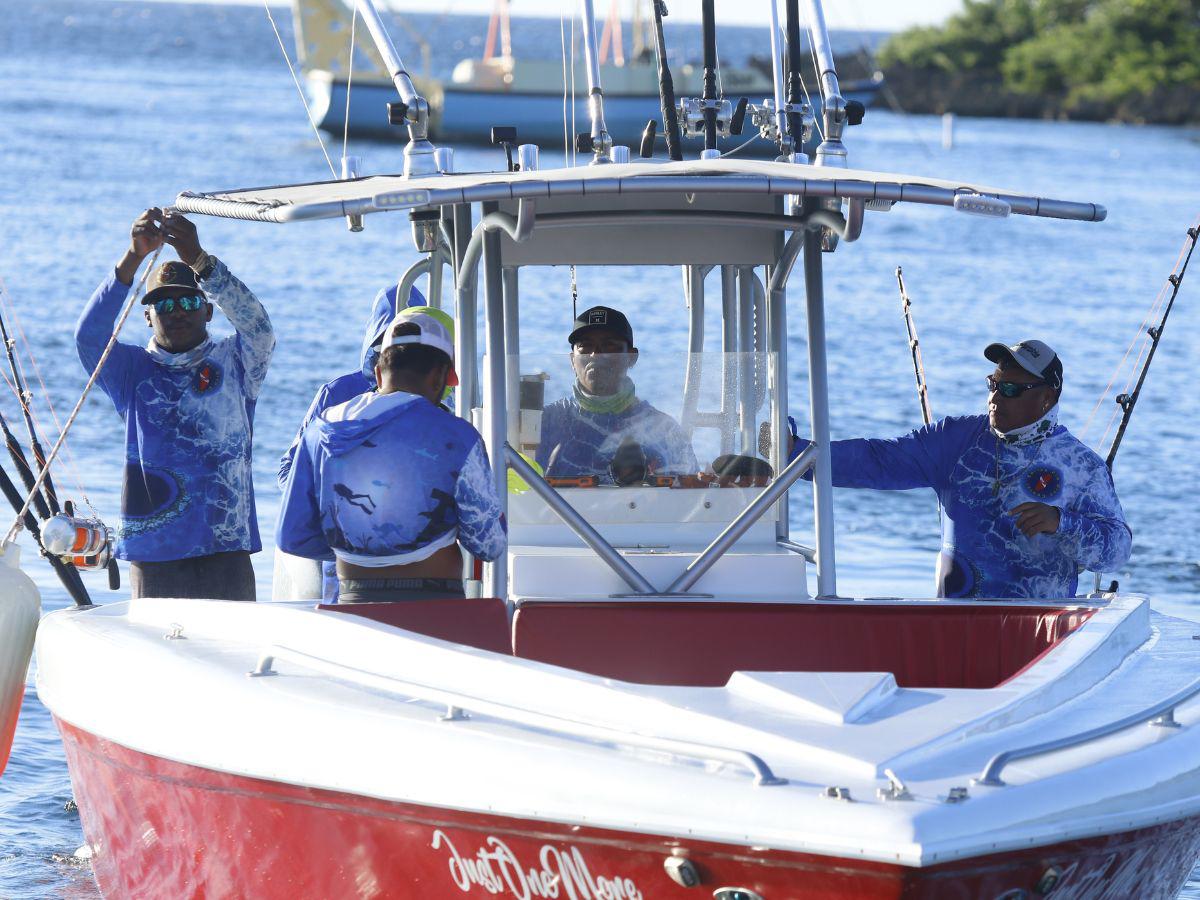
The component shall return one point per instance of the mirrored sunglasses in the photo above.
(1011, 389)
(188, 304)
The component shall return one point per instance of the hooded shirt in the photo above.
(342, 388)
(189, 424)
(581, 434)
(979, 475)
(386, 480)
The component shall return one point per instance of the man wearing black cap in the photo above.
(603, 429)
(188, 523)
(1025, 505)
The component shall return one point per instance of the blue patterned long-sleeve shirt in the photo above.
(189, 423)
(576, 441)
(389, 479)
(979, 477)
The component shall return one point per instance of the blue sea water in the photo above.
(109, 107)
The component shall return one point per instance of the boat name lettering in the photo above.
(561, 872)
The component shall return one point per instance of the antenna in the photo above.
(412, 111)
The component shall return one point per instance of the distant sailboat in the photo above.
(500, 88)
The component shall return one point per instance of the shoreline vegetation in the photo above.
(1134, 61)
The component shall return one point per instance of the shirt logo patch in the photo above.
(208, 377)
(1044, 483)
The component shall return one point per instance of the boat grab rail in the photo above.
(458, 705)
(1161, 714)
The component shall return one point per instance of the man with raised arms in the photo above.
(188, 522)
(1025, 505)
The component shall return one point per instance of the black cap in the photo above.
(171, 279)
(602, 317)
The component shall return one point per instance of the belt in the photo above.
(400, 584)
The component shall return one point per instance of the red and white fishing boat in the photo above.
(657, 693)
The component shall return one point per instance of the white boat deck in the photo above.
(356, 706)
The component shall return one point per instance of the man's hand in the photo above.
(181, 234)
(146, 235)
(1036, 518)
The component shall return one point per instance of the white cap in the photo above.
(436, 330)
(1034, 357)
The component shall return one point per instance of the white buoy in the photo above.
(20, 608)
(948, 131)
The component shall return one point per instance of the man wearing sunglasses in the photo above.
(188, 522)
(1025, 505)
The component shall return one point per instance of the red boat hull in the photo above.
(164, 829)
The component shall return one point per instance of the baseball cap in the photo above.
(171, 279)
(601, 317)
(1034, 357)
(435, 329)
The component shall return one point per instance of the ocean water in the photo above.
(109, 107)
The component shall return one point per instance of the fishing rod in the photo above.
(914, 346)
(708, 18)
(666, 86)
(23, 399)
(67, 574)
(1128, 401)
(795, 90)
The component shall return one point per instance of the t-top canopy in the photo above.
(380, 193)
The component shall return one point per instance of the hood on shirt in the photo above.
(383, 310)
(349, 425)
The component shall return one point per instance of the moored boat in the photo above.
(498, 89)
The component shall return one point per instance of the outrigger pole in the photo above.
(600, 143)
(1128, 401)
(831, 152)
(412, 111)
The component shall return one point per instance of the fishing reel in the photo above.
(765, 118)
(85, 543)
(730, 118)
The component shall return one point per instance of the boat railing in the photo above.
(1160, 715)
(459, 706)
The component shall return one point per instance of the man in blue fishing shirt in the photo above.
(389, 484)
(343, 388)
(1025, 505)
(188, 522)
(603, 429)
(362, 379)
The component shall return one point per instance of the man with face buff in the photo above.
(1025, 505)
(188, 522)
(603, 429)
